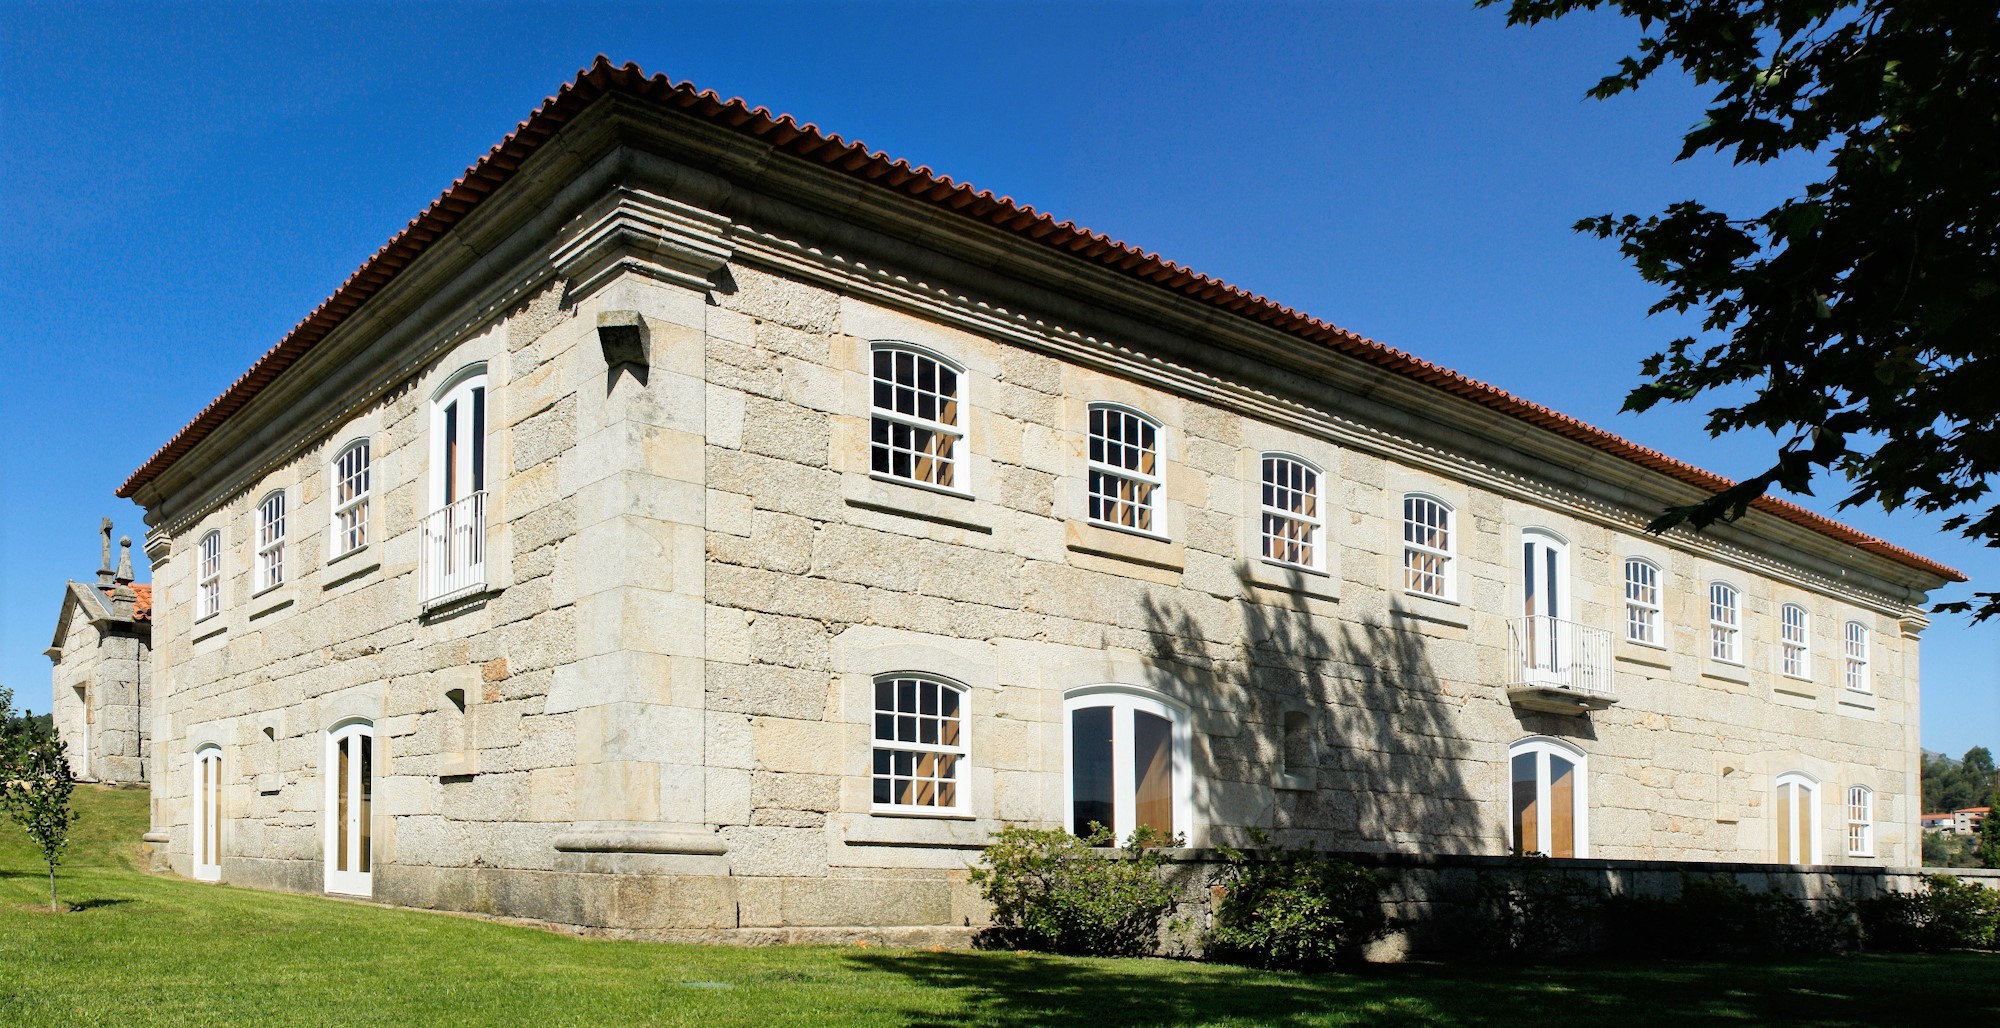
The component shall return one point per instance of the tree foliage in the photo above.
(1859, 316)
(36, 783)
(1950, 785)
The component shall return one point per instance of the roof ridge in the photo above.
(807, 142)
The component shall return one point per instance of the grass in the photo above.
(142, 949)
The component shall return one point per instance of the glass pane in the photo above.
(450, 455)
(215, 810)
(1784, 817)
(478, 443)
(1527, 822)
(1803, 813)
(367, 793)
(1153, 771)
(1562, 807)
(340, 807)
(1090, 770)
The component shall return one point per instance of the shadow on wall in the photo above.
(1337, 733)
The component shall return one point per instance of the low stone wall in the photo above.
(1439, 903)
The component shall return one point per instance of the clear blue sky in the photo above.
(180, 186)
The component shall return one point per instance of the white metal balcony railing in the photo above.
(451, 560)
(1549, 653)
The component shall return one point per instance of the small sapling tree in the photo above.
(35, 785)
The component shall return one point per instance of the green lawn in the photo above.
(147, 950)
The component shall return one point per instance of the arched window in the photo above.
(208, 576)
(1127, 761)
(349, 772)
(1126, 478)
(1429, 546)
(1794, 629)
(921, 745)
(350, 499)
(1642, 602)
(206, 825)
(271, 541)
(1725, 623)
(1292, 522)
(1796, 818)
(916, 421)
(1550, 799)
(1860, 821)
(1854, 648)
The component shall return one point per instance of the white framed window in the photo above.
(271, 541)
(350, 475)
(205, 835)
(1550, 799)
(1125, 757)
(1794, 629)
(1429, 541)
(349, 774)
(208, 576)
(1292, 521)
(458, 438)
(1725, 623)
(1860, 821)
(916, 420)
(1796, 818)
(1854, 648)
(921, 745)
(1125, 474)
(1642, 602)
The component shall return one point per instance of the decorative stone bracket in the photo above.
(637, 231)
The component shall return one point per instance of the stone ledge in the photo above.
(915, 501)
(1127, 546)
(940, 831)
(640, 841)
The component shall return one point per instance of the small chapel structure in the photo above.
(103, 653)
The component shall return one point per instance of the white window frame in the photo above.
(961, 753)
(1123, 702)
(1645, 619)
(1154, 484)
(1795, 641)
(208, 575)
(1860, 821)
(1725, 635)
(271, 541)
(469, 475)
(1805, 803)
(1311, 524)
(1413, 548)
(1854, 653)
(955, 459)
(1541, 748)
(209, 818)
(355, 461)
(349, 881)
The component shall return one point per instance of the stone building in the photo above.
(103, 660)
(693, 521)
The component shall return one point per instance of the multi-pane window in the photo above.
(271, 541)
(1128, 766)
(1855, 649)
(916, 423)
(208, 575)
(1125, 480)
(1796, 819)
(1292, 522)
(350, 499)
(920, 744)
(1793, 626)
(1860, 821)
(1725, 623)
(1427, 546)
(1642, 601)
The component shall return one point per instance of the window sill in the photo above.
(1650, 654)
(914, 829)
(1123, 544)
(1290, 578)
(203, 631)
(1794, 686)
(1725, 671)
(915, 500)
(1859, 700)
(1437, 609)
(280, 598)
(337, 558)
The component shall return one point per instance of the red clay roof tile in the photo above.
(807, 142)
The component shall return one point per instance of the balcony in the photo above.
(451, 556)
(1558, 666)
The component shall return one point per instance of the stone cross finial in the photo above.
(104, 567)
(124, 576)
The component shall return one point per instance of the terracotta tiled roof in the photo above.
(807, 142)
(142, 603)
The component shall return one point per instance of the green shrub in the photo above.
(1293, 908)
(1051, 890)
(1945, 914)
(1535, 910)
(1716, 916)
